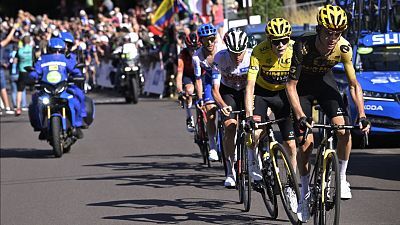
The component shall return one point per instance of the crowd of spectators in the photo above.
(96, 37)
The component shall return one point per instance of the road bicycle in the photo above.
(325, 178)
(278, 174)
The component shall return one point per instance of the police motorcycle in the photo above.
(54, 110)
(129, 80)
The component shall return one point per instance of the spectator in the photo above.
(13, 68)
(24, 58)
(3, 43)
(217, 13)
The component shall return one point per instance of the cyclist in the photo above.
(311, 79)
(203, 60)
(229, 81)
(269, 69)
(185, 76)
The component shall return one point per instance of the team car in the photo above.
(377, 64)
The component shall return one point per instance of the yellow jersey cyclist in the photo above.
(310, 79)
(203, 60)
(268, 72)
(229, 78)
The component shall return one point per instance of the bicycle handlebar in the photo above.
(334, 127)
(269, 122)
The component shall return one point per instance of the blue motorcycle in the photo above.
(54, 109)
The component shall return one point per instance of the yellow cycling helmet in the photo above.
(278, 28)
(332, 18)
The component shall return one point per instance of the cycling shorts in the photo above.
(187, 80)
(325, 91)
(233, 98)
(207, 89)
(279, 104)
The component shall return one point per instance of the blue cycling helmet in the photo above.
(56, 44)
(67, 37)
(206, 30)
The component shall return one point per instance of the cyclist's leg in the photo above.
(281, 109)
(333, 106)
(189, 90)
(211, 109)
(305, 151)
(229, 123)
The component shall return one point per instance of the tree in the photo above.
(267, 8)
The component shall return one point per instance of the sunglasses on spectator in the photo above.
(284, 41)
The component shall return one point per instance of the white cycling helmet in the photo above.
(236, 40)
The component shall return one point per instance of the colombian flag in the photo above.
(164, 13)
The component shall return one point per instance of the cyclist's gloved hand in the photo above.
(250, 123)
(365, 124)
(180, 96)
(226, 110)
(304, 123)
(199, 103)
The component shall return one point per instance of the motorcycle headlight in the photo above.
(135, 68)
(45, 100)
(127, 69)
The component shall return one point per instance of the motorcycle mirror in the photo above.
(29, 68)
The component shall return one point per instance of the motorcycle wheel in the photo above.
(56, 136)
(135, 91)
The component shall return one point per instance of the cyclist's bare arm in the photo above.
(217, 96)
(355, 87)
(199, 87)
(293, 97)
(249, 97)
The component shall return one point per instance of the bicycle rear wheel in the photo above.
(329, 199)
(266, 189)
(286, 180)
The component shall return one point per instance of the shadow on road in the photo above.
(28, 153)
(212, 211)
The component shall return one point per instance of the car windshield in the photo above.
(379, 58)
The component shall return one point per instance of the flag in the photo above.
(164, 13)
(183, 5)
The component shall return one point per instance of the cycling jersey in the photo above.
(308, 62)
(225, 72)
(315, 77)
(200, 63)
(269, 71)
(201, 66)
(185, 64)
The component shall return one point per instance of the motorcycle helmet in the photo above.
(56, 45)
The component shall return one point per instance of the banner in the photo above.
(154, 79)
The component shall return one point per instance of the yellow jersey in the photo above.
(269, 71)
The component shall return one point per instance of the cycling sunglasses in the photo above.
(284, 41)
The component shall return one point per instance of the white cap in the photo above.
(104, 38)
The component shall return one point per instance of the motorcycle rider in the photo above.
(69, 40)
(55, 60)
(126, 53)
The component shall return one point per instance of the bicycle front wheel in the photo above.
(329, 199)
(266, 188)
(286, 181)
(246, 181)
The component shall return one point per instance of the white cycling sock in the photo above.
(211, 140)
(304, 180)
(343, 169)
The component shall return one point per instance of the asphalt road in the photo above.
(138, 165)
